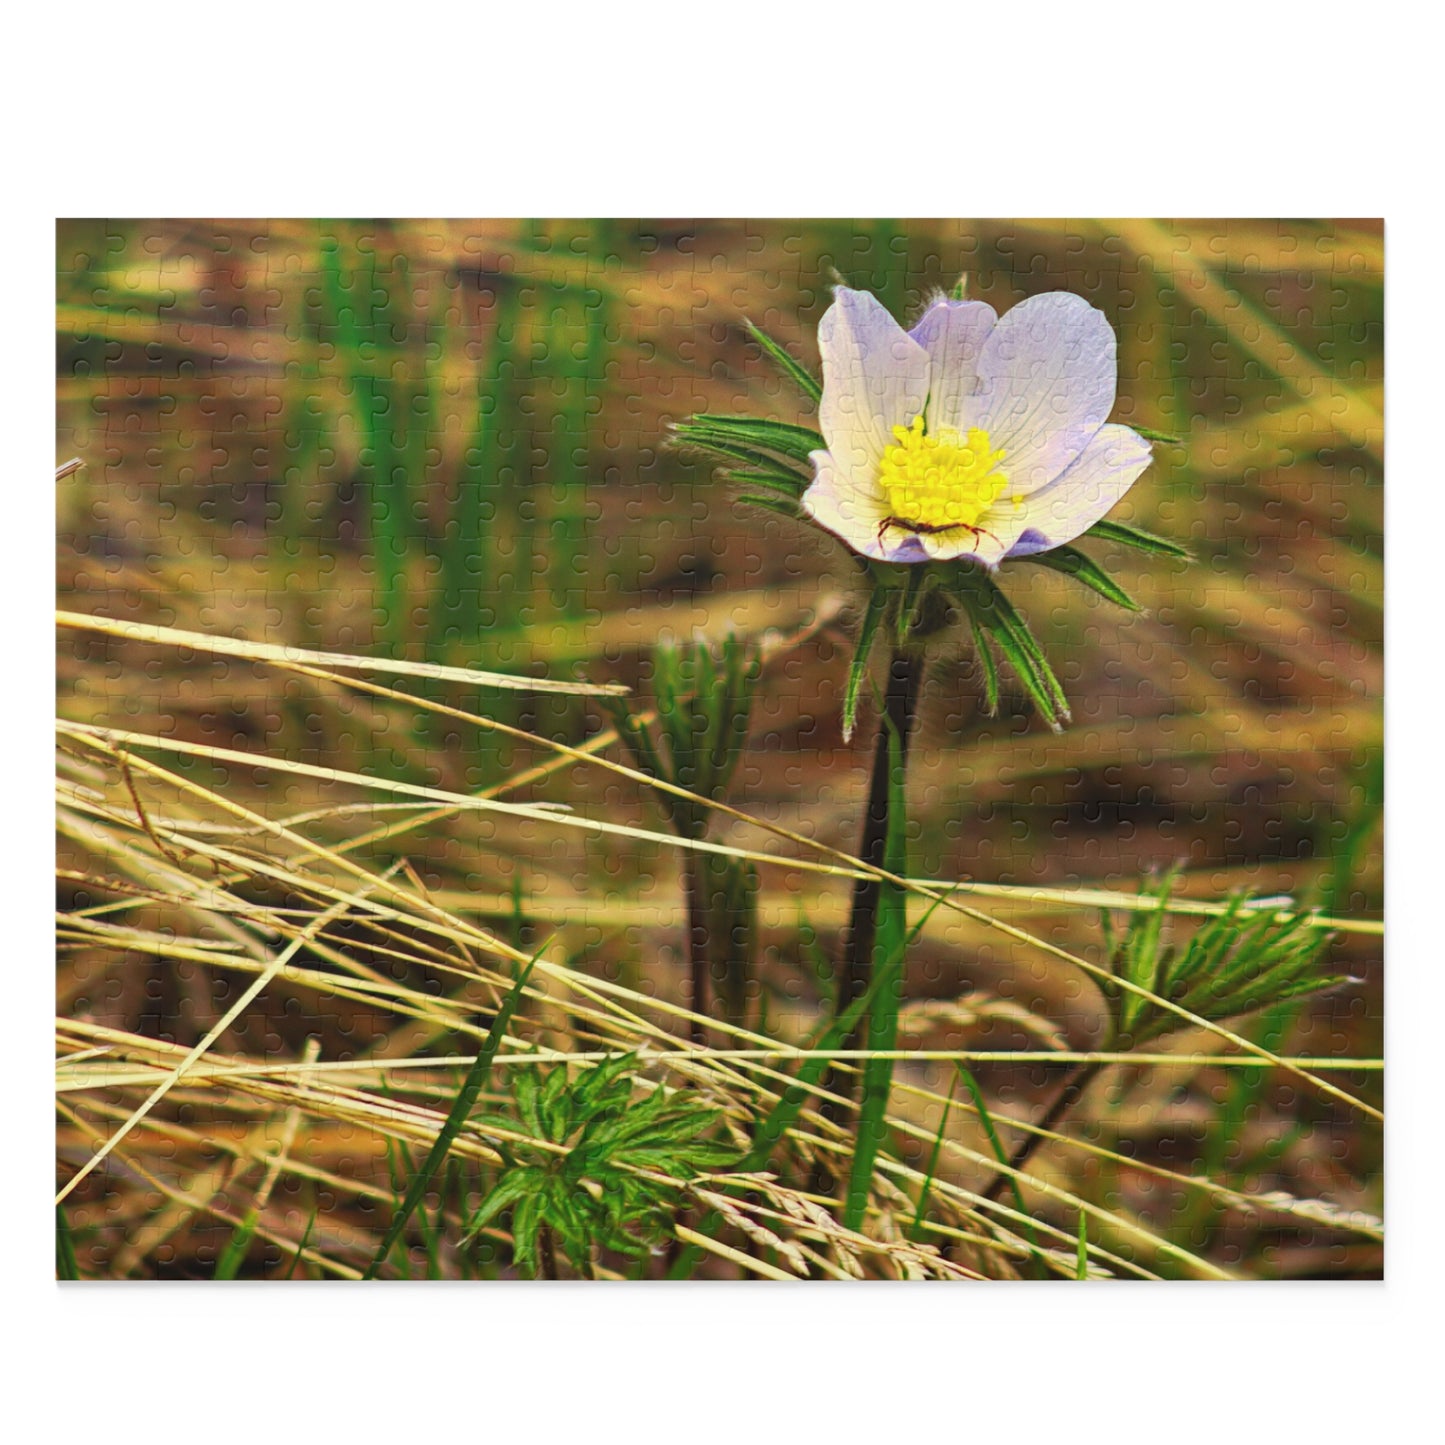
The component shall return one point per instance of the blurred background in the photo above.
(447, 441)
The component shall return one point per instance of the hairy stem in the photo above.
(1072, 1090)
(905, 673)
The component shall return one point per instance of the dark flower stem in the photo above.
(1074, 1085)
(905, 674)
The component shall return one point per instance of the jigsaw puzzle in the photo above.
(720, 750)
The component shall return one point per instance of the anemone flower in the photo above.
(971, 436)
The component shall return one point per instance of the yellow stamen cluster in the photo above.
(938, 480)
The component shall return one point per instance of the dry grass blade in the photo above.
(845, 865)
(217, 1029)
(273, 652)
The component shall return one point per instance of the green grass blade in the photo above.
(65, 1264)
(1001, 1154)
(782, 1116)
(234, 1254)
(917, 1227)
(301, 1245)
(461, 1108)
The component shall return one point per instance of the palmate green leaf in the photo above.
(571, 1213)
(513, 1185)
(527, 1095)
(801, 376)
(1240, 961)
(608, 1083)
(555, 1106)
(526, 1221)
(1082, 568)
(604, 1136)
(1275, 963)
(1207, 948)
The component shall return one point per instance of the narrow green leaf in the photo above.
(1107, 531)
(1026, 670)
(877, 606)
(802, 377)
(730, 450)
(461, 1107)
(234, 1254)
(786, 484)
(986, 663)
(1012, 625)
(914, 586)
(917, 1227)
(770, 504)
(796, 443)
(988, 608)
(301, 1244)
(1073, 563)
(65, 1264)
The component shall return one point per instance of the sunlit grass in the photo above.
(303, 851)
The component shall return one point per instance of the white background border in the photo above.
(757, 110)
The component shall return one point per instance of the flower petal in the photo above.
(953, 334)
(851, 511)
(1047, 377)
(875, 377)
(984, 546)
(1090, 487)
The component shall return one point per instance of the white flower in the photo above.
(969, 436)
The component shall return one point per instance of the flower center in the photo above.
(941, 479)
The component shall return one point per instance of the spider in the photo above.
(904, 525)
